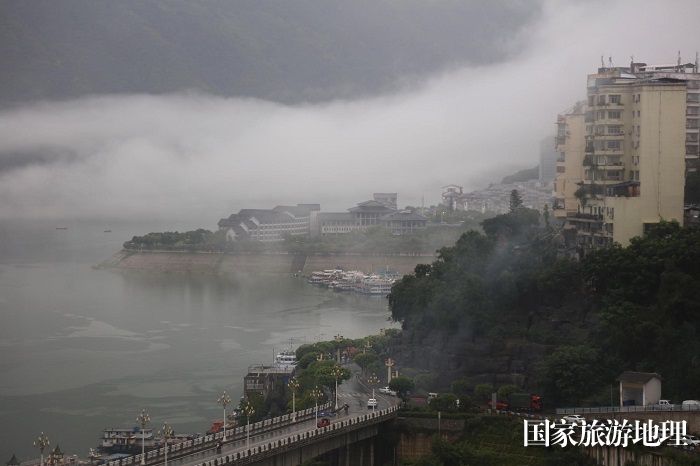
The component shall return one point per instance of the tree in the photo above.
(460, 387)
(364, 360)
(516, 201)
(571, 374)
(402, 386)
(444, 402)
(483, 391)
(504, 391)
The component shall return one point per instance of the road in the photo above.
(352, 392)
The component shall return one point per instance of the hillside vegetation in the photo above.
(505, 307)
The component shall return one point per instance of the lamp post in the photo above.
(248, 410)
(338, 339)
(224, 400)
(167, 434)
(294, 386)
(316, 393)
(143, 419)
(41, 442)
(389, 363)
(372, 380)
(337, 373)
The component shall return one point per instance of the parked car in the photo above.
(371, 403)
(574, 419)
(691, 440)
(323, 422)
(691, 405)
(387, 391)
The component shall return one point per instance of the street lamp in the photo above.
(41, 442)
(248, 410)
(143, 419)
(294, 386)
(372, 380)
(338, 339)
(167, 434)
(337, 373)
(389, 363)
(316, 393)
(224, 400)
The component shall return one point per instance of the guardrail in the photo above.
(299, 440)
(209, 441)
(628, 409)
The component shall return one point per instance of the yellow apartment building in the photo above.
(640, 136)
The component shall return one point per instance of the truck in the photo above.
(520, 402)
(218, 426)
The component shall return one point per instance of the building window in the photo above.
(635, 160)
(691, 124)
(601, 100)
(691, 137)
(693, 98)
(692, 111)
(600, 129)
(615, 99)
(614, 145)
(561, 169)
(600, 115)
(691, 150)
(614, 129)
(614, 114)
(591, 100)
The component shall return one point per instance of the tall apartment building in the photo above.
(569, 144)
(640, 138)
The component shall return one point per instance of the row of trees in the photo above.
(374, 240)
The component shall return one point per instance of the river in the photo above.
(82, 349)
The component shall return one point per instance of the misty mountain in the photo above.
(522, 175)
(288, 51)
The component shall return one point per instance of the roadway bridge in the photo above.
(287, 440)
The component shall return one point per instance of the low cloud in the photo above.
(197, 157)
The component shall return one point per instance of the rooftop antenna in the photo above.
(696, 61)
(631, 63)
(679, 61)
(602, 62)
(610, 61)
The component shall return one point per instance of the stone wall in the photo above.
(278, 263)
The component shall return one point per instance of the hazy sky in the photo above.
(197, 157)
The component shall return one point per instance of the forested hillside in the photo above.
(280, 50)
(505, 308)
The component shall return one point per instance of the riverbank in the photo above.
(231, 264)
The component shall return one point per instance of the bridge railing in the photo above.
(628, 409)
(301, 438)
(209, 441)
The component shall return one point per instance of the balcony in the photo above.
(559, 140)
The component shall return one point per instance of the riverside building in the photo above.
(640, 138)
